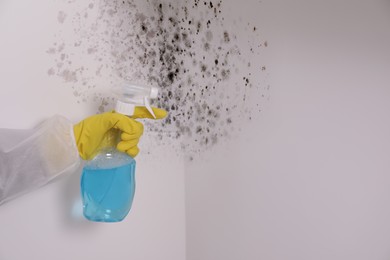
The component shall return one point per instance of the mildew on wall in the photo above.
(207, 64)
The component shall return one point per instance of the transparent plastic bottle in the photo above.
(108, 186)
(108, 180)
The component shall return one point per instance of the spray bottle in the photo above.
(108, 180)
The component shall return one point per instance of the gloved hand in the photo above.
(92, 131)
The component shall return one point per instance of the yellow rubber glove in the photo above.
(91, 132)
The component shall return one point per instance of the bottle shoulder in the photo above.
(109, 158)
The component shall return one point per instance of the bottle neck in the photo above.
(124, 108)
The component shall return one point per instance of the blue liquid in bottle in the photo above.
(108, 186)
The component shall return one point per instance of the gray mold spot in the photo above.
(61, 16)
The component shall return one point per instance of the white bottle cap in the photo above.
(124, 108)
(127, 106)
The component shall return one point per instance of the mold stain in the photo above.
(186, 49)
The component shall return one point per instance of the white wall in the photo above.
(45, 224)
(309, 178)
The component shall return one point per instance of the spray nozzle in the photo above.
(134, 95)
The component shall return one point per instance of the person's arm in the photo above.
(32, 158)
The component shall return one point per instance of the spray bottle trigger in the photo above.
(147, 105)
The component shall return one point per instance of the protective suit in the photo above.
(32, 158)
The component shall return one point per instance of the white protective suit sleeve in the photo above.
(31, 158)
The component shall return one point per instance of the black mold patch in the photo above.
(196, 62)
